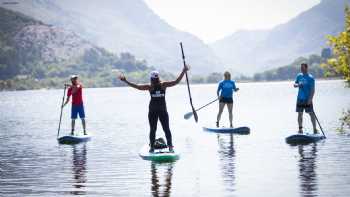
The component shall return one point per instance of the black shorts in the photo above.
(302, 105)
(226, 100)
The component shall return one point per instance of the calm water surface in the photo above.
(32, 163)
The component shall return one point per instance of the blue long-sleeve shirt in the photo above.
(226, 88)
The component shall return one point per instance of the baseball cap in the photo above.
(154, 74)
(73, 76)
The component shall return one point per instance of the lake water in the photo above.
(32, 163)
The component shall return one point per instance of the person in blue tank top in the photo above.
(225, 91)
(306, 84)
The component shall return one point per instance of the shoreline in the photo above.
(183, 83)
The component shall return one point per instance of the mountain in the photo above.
(290, 71)
(123, 26)
(35, 55)
(253, 51)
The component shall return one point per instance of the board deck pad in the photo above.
(237, 130)
(74, 139)
(159, 155)
(305, 138)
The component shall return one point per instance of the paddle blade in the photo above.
(195, 115)
(188, 115)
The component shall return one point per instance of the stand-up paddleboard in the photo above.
(159, 155)
(304, 138)
(73, 139)
(237, 130)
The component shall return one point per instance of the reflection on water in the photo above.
(79, 169)
(227, 160)
(161, 178)
(260, 164)
(307, 169)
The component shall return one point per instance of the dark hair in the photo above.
(155, 82)
(304, 64)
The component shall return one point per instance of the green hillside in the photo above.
(289, 72)
(34, 55)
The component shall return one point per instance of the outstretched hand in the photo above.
(122, 77)
(186, 68)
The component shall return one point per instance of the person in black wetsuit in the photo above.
(157, 105)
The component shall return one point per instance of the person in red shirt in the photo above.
(76, 91)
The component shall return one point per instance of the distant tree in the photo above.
(197, 79)
(214, 77)
(326, 53)
(340, 44)
(258, 77)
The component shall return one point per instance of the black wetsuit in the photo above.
(158, 110)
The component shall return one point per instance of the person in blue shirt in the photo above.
(306, 84)
(225, 93)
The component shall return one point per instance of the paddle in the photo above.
(319, 124)
(59, 124)
(188, 85)
(189, 114)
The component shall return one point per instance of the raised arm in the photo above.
(136, 86)
(167, 84)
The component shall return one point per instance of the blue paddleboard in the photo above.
(237, 130)
(74, 139)
(159, 155)
(304, 138)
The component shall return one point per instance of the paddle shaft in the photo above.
(207, 104)
(319, 124)
(188, 85)
(59, 124)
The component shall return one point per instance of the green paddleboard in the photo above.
(159, 155)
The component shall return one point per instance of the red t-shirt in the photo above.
(77, 97)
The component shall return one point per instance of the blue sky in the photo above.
(211, 20)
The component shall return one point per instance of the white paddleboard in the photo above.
(237, 130)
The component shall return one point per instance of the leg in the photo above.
(74, 115)
(81, 113)
(221, 108)
(313, 121)
(164, 120)
(310, 110)
(84, 125)
(73, 125)
(300, 121)
(230, 107)
(152, 119)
